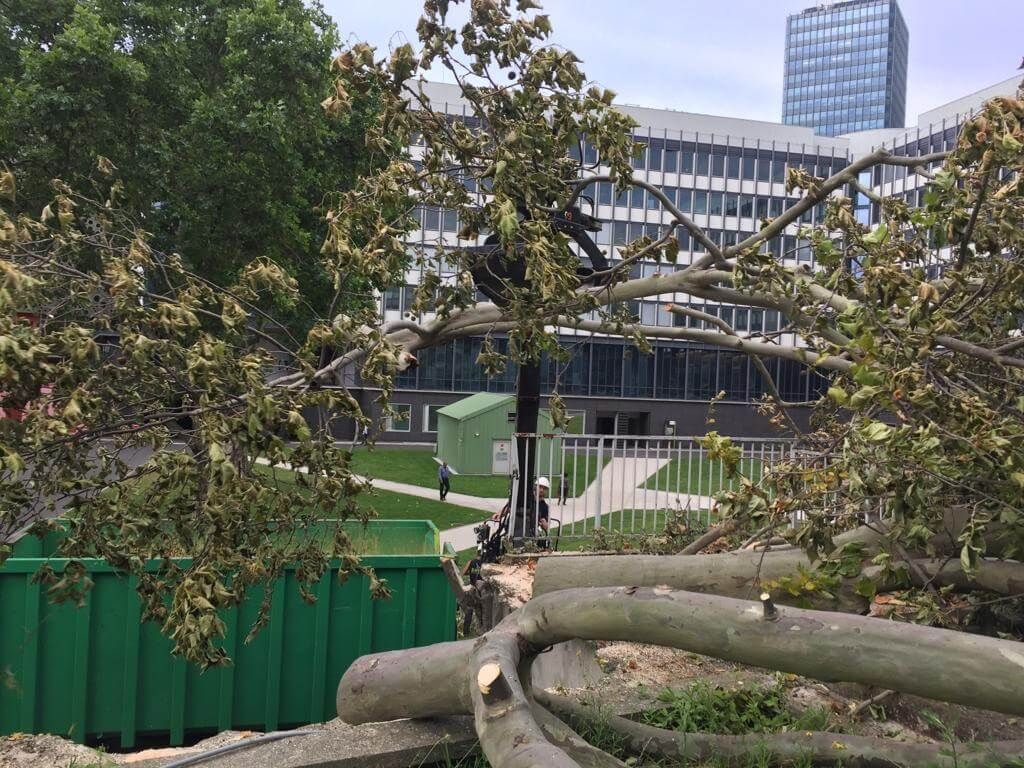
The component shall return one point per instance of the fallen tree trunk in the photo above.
(738, 574)
(743, 574)
(489, 677)
(729, 574)
(817, 747)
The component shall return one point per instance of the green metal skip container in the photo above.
(96, 673)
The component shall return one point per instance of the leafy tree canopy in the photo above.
(209, 111)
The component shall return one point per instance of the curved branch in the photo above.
(509, 735)
(769, 380)
(713, 534)
(830, 185)
(940, 664)
(718, 339)
(816, 747)
(710, 246)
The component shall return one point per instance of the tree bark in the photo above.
(935, 663)
(713, 534)
(509, 734)
(1000, 576)
(729, 574)
(742, 574)
(820, 748)
(575, 746)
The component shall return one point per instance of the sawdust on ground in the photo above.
(513, 580)
(23, 750)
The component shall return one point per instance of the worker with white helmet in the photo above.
(543, 488)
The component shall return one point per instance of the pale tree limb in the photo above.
(489, 677)
(559, 733)
(873, 701)
(828, 186)
(466, 596)
(728, 330)
(753, 538)
(744, 573)
(713, 534)
(816, 747)
(715, 338)
(751, 347)
(697, 232)
(509, 734)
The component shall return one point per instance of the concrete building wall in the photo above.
(734, 419)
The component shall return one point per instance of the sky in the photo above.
(725, 57)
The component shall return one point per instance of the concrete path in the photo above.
(488, 505)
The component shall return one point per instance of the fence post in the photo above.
(600, 474)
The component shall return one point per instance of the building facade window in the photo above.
(401, 418)
(430, 417)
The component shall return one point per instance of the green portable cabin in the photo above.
(474, 435)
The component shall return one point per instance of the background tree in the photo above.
(209, 110)
(172, 262)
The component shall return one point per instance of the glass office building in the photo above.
(727, 174)
(846, 67)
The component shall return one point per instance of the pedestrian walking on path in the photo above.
(443, 478)
(563, 487)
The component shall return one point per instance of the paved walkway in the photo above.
(618, 487)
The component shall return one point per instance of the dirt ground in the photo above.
(637, 672)
(22, 750)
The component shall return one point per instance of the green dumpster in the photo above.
(97, 674)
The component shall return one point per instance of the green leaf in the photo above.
(877, 432)
(838, 394)
(865, 587)
(878, 235)
(968, 558)
(864, 395)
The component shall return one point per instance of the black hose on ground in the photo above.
(234, 747)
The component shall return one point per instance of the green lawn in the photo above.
(416, 466)
(399, 506)
(700, 475)
(629, 521)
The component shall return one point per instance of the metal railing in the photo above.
(630, 484)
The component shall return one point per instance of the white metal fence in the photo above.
(631, 483)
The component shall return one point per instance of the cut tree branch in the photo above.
(815, 747)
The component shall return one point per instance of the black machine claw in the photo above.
(493, 270)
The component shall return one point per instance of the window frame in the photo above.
(389, 425)
(426, 417)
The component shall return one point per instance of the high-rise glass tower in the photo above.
(846, 67)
